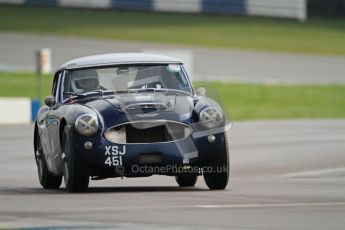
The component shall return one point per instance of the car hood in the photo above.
(122, 108)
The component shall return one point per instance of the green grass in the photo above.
(23, 85)
(316, 36)
(242, 101)
(258, 101)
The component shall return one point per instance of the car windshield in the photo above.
(126, 78)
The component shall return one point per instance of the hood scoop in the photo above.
(152, 105)
(149, 107)
(147, 103)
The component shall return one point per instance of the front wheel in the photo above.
(47, 180)
(217, 175)
(186, 180)
(75, 173)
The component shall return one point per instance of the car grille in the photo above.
(152, 131)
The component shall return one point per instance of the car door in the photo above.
(42, 128)
(53, 123)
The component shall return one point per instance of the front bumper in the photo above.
(105, 157)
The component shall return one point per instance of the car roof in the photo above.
(118, 59)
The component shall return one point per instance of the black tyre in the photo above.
(186, 180)
(217, 175)
(47, 180)
(75, 173)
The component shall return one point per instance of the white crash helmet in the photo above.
(81, 75)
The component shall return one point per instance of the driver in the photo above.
(85, 81)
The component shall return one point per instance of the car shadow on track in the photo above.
(143, 189)
(131, 189)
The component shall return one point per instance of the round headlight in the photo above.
(86, 125)
(211, 117)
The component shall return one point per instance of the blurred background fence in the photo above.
(295, 9)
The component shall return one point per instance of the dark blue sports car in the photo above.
(128, 115)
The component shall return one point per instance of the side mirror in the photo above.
(201, 92)
(49, 101)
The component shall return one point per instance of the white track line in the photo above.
(282, 205)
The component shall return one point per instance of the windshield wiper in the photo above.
(152, 90)
(90, 93)
(102, 92)
(75, 94)
(134, 90)
(142, 90)
(176, 91)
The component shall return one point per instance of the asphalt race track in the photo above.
(17, 52)
(284, 175)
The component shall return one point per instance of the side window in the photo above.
(55, 86)
(65, 85)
